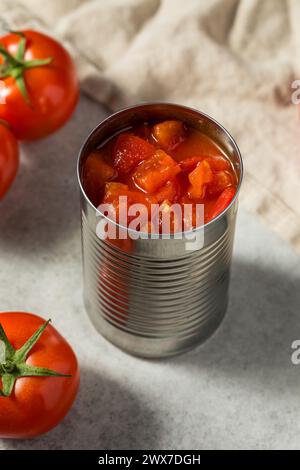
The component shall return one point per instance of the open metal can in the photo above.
(153, 297)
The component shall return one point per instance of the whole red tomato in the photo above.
(39, 376)
(9, 158)
(39, 89)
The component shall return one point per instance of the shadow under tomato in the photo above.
(251, 350)
(42, 207)
(105, 416)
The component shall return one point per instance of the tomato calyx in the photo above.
(15, 65)
(13, 362)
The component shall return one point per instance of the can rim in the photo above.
(163, 103)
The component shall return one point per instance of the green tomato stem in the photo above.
(15, 65)
(9, 350)
(21, 49)
(14, 365)
(37, 63)
(22, 353)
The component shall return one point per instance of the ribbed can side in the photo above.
(155, 307)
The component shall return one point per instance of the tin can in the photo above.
(153, 297)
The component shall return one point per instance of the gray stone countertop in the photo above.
(238, 390)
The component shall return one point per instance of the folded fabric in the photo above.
(234, 59)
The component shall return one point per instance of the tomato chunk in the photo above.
(96, 173)
(129, 151)
(169, 134)
(164, 163)
(137, 197)
(171, 191)
(221, 203)
(217, 163)
(155, 172)
(113, 191)
(199, 178)
(221, 180)
(190, 163)
(168, 218)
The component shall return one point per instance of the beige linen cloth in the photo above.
(234, 59)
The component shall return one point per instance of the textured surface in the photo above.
(148, 297)
(239, 389)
